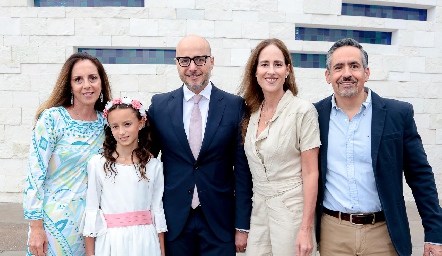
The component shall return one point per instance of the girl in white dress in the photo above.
(124, 210)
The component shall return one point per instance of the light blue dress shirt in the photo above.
(350, 186)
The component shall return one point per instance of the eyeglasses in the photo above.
(198, 60)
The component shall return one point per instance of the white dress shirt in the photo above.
(203, 105)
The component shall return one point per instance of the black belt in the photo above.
(357, 218)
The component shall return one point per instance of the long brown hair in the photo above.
(142, 152)
(61, 94)
(250, 89)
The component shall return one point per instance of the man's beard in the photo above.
(196, 87)
(348, 92)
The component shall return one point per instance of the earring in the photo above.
(101, 97)
(72, 99)
(286, 76)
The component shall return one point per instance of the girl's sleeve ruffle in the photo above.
(93, 223)
(157, 210)
(159, 220)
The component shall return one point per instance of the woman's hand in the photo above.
(38, 241)
(304, 242)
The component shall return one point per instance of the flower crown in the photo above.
(136, 104)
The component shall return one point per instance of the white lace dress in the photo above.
(124, 193)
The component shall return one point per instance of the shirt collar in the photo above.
(365, 104)
(188, 94)
(367, 101)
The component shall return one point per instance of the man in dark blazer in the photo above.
(218, 176)
(368, 144)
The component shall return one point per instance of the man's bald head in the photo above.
(195, 42)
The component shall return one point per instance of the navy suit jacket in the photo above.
(221, 172)
(396, 150)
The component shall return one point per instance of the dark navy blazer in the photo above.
(396, 150)
(221, 171)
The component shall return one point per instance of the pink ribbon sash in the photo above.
(126, 219)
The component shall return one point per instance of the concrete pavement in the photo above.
(13, 230)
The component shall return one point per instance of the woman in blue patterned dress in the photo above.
(68, 132)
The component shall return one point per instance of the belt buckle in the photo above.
(358, 214)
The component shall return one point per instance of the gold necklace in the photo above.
(78, 114)
(75, 112)
(265, 111)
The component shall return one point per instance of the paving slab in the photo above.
(12, 253)
(14, 228)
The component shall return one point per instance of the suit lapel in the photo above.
(216, 110)
(377, 126)
(324, 110)
(175, 110)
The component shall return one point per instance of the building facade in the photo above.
(136, 42)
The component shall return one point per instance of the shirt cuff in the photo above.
(433, 243)
(240, 230)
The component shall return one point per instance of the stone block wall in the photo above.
(35, 42)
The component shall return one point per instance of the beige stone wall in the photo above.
(34, 43)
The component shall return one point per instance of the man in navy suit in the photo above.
(207, 196)
(368, 144)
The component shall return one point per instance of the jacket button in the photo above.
(189, 191)
(196, 167)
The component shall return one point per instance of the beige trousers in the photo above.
(275, 222)
(340, 237)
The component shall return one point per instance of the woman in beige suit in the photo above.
(282, 143)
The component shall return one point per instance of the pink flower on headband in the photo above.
(105, 113)
(135, 104)
(117, 101)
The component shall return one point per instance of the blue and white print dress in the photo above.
(56, 183)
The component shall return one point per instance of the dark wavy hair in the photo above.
(142, 152)
(61, 94)
(346, 42)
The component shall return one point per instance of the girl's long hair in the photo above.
(142, 152)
